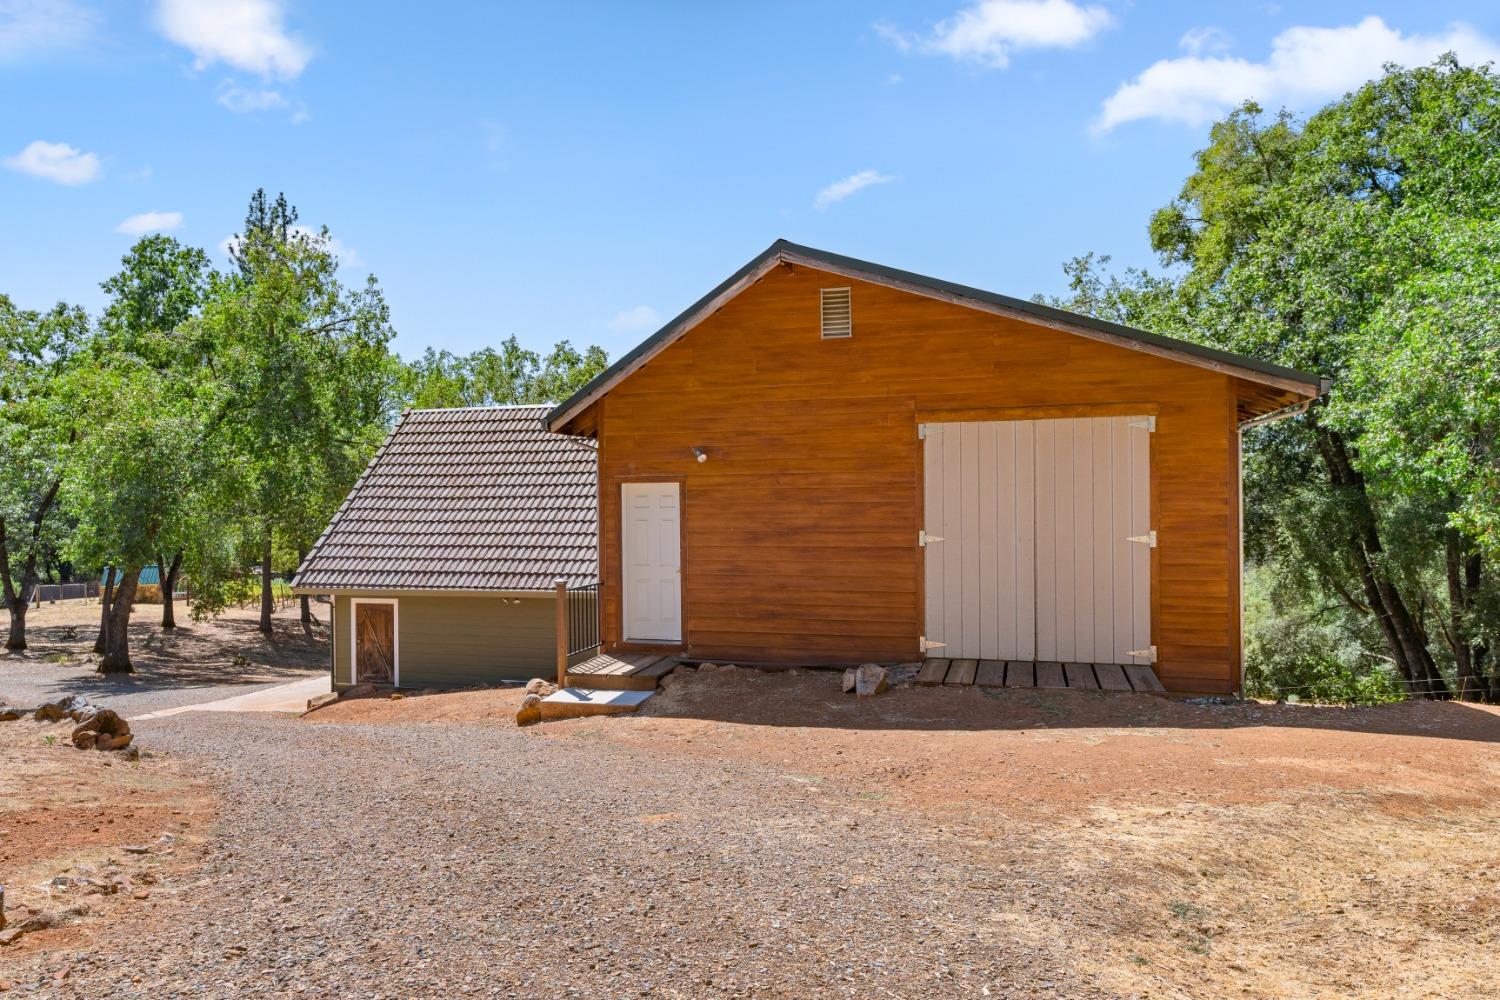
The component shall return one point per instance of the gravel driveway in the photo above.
(28, 683)
(458, 859)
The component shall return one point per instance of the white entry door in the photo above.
(652, 560)
(1039, 536)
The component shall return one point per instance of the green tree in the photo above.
(1313, 244)
(307, 381)
(490, 377)
(160, 287)
(38, 423)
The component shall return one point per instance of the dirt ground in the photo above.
(87, 839)
(63, 634)
(1184, 850)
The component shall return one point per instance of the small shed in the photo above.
(441, 564)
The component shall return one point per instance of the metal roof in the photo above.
(784, 251)
(474, 499)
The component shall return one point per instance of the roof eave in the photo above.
(1182, 351)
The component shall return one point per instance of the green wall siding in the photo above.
(454, 641)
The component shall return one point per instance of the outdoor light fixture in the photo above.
(700, 454)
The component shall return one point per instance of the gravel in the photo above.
(461, 859)
(27, 683)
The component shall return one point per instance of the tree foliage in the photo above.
(1359, 244)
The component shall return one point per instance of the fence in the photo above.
(49, 593)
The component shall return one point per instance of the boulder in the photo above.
(541, 687)
(871, 679)
(708, 666)
(103, 729)
(69, 706)
(10, 713)
(849, 680)
(530, 711)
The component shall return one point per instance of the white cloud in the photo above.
(1305, 64)
(990, 31)
(56, 161)
(31, 26)
(839, 190)
(636, 320)
(1200, 40)
(149, 222)
(242, 100)
(246, 34)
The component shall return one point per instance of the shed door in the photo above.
(374, 642)
(652, 543)
(1035, 519)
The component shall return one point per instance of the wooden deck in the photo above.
(1025, 674)
(612, 672)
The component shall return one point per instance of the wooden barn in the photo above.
(830, 461)
(442, 562)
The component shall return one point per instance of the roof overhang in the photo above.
(414, 592)
(1299, 383)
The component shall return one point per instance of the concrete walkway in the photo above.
(282, 698)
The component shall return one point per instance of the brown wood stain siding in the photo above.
(799, 532)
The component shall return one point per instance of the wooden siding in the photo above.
(458, 641)
(800, 530)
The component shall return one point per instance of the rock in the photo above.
(358, 691)
(541, 687)
(107, 742)
(136, 848)
(9, 713)
(397, 696)
(103, 729)
(705, 667)
(849, 680)
(870, 679)
(321, 700)
(66, 707)
(530, 711)
(11, 936)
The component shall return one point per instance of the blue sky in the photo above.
(586, 172)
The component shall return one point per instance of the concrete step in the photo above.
(573, 702)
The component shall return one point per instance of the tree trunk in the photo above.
(307, 615)
(168, 577)
(267, 603)
(1397, 625)
(117, 642)
(1471, 684)
(101, 644)
(16, 640)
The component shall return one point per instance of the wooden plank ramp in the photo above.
(1049, 674)
(933, 671)
(1020, 674)
(991, 674)
(1143, 678)
(1080, 675)
(1111, 677)
(961, 672)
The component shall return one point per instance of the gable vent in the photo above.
(838, 320)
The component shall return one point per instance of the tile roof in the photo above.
(481, 498)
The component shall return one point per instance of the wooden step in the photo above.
(574, 702)
(613, 682)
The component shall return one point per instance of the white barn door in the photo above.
(1030, 525)
(652, 561)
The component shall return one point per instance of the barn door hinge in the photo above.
(923, 538)
(1148, 654)
(1149, 538)
(921, 432)
(1148, 424)
(926, 644)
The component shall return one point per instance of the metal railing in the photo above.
(577, 624)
